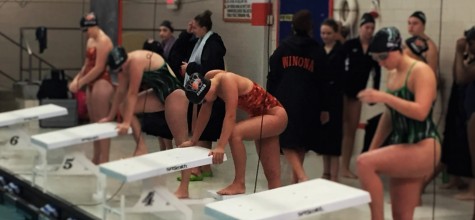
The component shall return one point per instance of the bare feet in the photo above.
(465, 196)
(348, 174)
(233, 189)
(334, 178)
(182, 194)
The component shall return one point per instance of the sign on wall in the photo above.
(237, 10)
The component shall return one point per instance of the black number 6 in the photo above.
(14, 140)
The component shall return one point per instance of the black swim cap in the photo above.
(385, 40)
(116, 58)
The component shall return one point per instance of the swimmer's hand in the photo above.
(218, 155)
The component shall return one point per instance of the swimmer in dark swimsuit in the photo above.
(407, 121)
(263, 109)
(95, 76)
(165, 93)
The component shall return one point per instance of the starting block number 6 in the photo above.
(14, 137)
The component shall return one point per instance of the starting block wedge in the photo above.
(74, 163)
(290, 202)
(155, 196)
(14, 132)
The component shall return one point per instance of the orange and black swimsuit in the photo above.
(257, 101)
(91, 58)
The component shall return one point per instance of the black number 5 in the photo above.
(68, 164)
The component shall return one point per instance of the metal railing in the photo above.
(42, 63)
(7, 76)
(40, 67)
(30, 60)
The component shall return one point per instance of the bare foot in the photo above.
(182, 194)
(455, 184)
(334, 178)
(233, 189)
(139, 152)
(349, 174)
(302, 179)
(196, 171)
(465, 196)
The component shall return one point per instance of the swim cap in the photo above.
(366, 18)
(419, 15)
(385, 40)
(116, 58)
(196, 87)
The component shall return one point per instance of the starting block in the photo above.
(75, 163)
(14, 134)
(290, 202)
(155, 196)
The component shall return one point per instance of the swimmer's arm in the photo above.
(382, 131)
(201, 121)
(73, 87)
(432, 56)
(103, 49)
(135, 73)
(230, 98)
(118, 96)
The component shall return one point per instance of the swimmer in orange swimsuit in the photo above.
(264, 110)
(95, 76)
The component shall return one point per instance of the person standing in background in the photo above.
(429, 53)
(165, 32)
(464, 69)
(208, 54)
(330, 145)
(298, 86)
(358, 65)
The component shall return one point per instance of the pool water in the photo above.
(12, 209)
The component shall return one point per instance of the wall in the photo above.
(64, 47)
(245, 43)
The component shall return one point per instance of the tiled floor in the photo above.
(79, 189)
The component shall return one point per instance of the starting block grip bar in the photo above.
(76, 135)
(156, 164)
(30, 114)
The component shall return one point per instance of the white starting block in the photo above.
(75, 163)
(14, 133)
(155, 196)
(290, 202)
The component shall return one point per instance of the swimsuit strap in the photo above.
(409, 73)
